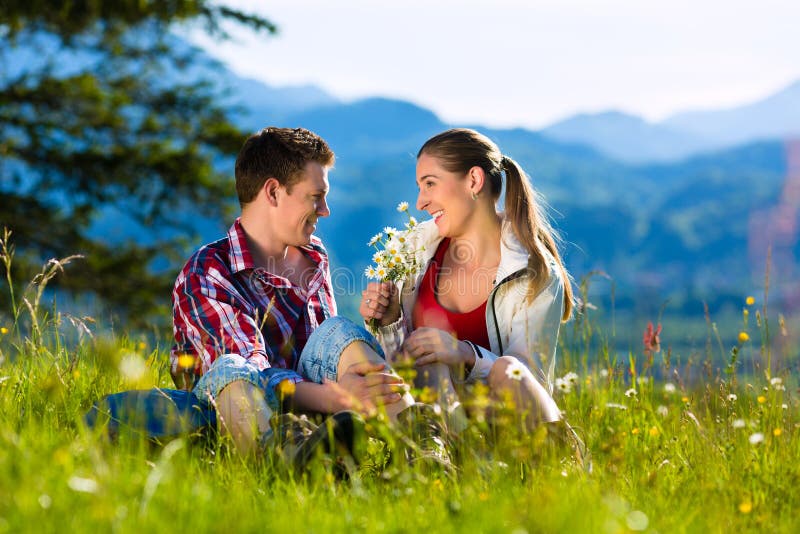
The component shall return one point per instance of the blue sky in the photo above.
(526, 63)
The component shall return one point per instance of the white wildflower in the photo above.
(375, 239)
(562, 385)
(389, 231)
(604, 373)
(369, 272)
(616, 405)
(412, 222)
(669, 388)
(515, 370)
(132, 367)
(785, 406)
(756, 438)
(662, 410)
(732, 397)
(82, 485)
(738, 423)
(631, 393)
(402, 207)
(571, 378)
(777, 383)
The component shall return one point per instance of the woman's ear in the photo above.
(476, 178)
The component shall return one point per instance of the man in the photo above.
(254, 312)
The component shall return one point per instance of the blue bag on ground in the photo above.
(155, 413)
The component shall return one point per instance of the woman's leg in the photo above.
(524, 393)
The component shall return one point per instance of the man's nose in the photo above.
(322, 208)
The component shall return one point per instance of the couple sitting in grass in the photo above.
(257, 334)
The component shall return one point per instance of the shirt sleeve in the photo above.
(210, 318)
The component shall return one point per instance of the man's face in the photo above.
(300, 208)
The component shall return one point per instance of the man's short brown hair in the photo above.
(280, 153)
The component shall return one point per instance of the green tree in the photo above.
(102, 108)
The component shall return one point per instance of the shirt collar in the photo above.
(241, 258)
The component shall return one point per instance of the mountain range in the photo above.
(632, 139)
(682, 210)
(683, 227)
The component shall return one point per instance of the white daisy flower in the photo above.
(756, 438)
(571, 378)
(402, 207)
(738, 423)
(390, 231)
(515, 371)
(380, 273)
(732, 397)
(562, 385)
(412, 222)
(375, 239)
(777, 383)
(631, 393)
(369, 272)
(669, 388)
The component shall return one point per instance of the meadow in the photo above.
(705, 441)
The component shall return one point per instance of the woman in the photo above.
(494, 290)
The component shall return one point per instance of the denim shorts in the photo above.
(318, 360)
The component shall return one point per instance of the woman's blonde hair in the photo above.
(459, 150)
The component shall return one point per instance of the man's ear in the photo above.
(476, 178)
(271, 190)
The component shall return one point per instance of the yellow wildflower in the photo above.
(746, 507)
(635, 431)
(777, 432)
(285, 389)
(761, 399)
(186, 361)
(142, 345)
(743, 337)
(653, 431)
(685, 399)
(76, 373)
(3, 330)
(750, 301)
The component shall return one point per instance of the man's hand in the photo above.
(431, 345)
(381, 302)
(369, 387)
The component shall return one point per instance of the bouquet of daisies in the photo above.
(394, 260)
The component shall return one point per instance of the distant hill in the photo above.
(631, 139)
(774, 117)
(666, 209)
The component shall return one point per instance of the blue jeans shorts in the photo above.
(318, 360)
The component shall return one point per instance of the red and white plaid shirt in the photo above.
(223, 304)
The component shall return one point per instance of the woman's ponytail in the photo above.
(534, 231)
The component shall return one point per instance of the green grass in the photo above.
(664, 461)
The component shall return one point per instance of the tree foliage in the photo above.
(104, 111)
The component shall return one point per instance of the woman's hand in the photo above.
(381, 302)
(431, 345)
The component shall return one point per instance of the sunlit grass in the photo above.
(715, 453)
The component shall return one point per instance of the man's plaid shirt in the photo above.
(223, 304)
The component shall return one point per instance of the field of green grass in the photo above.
(719, 453)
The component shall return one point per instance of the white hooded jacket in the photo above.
(516, 327)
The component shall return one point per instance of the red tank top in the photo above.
(469, 326)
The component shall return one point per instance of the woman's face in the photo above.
(445, 195)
